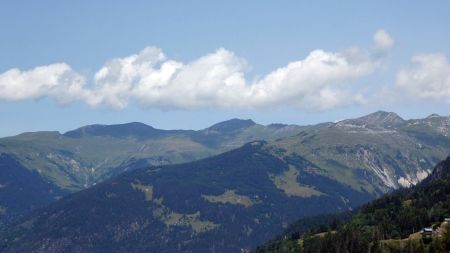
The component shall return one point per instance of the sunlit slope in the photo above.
(378, 152)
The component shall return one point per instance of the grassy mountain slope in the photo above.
(225, 203)
(388, 224)
(85, 156)
(378, 152)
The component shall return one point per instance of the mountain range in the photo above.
(146, 192)
(83, 157)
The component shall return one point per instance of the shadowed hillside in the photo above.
(226, 203)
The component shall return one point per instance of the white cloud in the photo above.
(55, 80)
(118, 77)
(321, 81)
(382, 40)
(427, 78)
(217, 79)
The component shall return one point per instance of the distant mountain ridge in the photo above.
(380, 119)
(133, 140)
(139, 130)
(231, 125)
(375, 153)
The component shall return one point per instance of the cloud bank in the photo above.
(321, 81)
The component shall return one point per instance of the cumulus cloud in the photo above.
(382, 40)
(55, 80)
(427, 78)
(320, 81)
(217, 79)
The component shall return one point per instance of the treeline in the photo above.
(349, 239)
(384, 225)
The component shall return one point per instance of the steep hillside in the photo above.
(226, 203)
(22, 190)
(388, 224)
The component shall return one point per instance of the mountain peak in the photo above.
(232, 125)
(277, 125)
(434, 115)
(379, 119)
(382, 117)
(118, 130)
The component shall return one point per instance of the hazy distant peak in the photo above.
(277, 125)
(118, 130)
(48, 134)
(232, 125)
(378, 119)
(382, 117)
(434, 115)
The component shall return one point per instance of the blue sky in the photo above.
(246, 40)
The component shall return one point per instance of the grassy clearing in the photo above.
(230, 197)
(146, 189)
(288, 183)
(171, 218)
